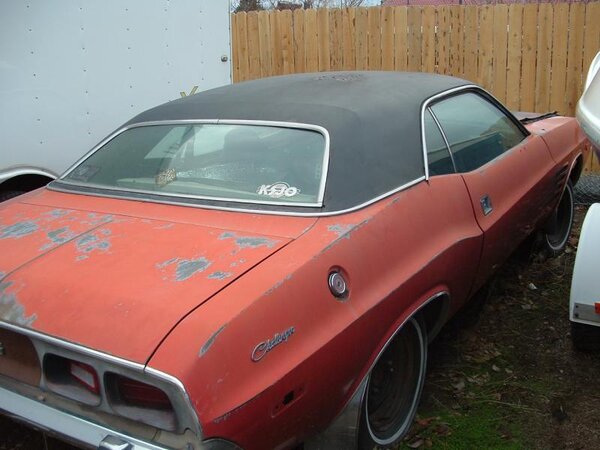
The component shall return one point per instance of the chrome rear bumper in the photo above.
(73, 428)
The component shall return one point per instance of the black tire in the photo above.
(586, 338)
(394, 388)
(557, 233)
(5, 195)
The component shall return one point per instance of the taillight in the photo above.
(85, 375)
(135, 393)
(73, 379)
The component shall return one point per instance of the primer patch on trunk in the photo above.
(340, 230)
(18, 230)
(248, 241)
(186, 268)
(219, 275)
(93, 242)
(58, 237)
(10, 308)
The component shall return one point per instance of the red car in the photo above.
(263, 265)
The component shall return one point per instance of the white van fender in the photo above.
(585, 285)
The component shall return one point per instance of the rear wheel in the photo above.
(394, 388)
(585, 337)
(558, 231)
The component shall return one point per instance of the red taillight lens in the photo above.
(136, 393)
(597, 307)
(85, 375)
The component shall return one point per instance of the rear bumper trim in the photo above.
(61, 423)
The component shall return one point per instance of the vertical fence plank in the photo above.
(276, 43)
(299, 45)
(362, 27)
(311, 40)
(443, 39)
(387, 38)
(335, 29)
(544, 57)
(560, 35)
(529, 52)
(374, 37)
(486, 47)
(471, 42)
(400, 38)
(513, 62)
(428, 37)
(264, 31)
(500, 51)
(591, 42)
(456, 57)
(253, 46)
(323, 38)
(349, 43)
(414, 39)
(235, 48)
(575, 56)
(287, 44)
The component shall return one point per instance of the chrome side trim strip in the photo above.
(264, 123)
(47, 418)
(246, 210)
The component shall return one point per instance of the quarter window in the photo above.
(476, 130)
(438, 155)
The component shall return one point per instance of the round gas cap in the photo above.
(337, 284)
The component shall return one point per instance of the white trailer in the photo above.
(73, 71)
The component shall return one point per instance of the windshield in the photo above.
(232, 162)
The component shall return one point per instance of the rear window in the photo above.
(231, 162)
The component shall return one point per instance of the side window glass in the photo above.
(438, 155)
(477, 131)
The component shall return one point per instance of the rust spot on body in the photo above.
(248, 241)
(341, 230)
(186, 268)
(211, 340)
(10, 308)
(18, 230)
(219, 275)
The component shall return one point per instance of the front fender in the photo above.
(585, 286)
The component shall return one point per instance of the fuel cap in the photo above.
(337, 285)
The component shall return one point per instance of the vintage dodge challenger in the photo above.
(263, 265)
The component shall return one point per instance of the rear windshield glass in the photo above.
(247, 163)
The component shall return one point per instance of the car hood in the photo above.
(116, 275)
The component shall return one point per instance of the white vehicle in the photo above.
(584, 307)
(71, 72)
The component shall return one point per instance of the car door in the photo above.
(506, 171)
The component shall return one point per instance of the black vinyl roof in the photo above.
(373, 119)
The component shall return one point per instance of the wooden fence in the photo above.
(533, 57)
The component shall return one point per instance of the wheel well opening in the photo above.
(576, 171)
(24, 183)
(434, 315)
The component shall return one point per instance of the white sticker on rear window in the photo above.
(278, 190)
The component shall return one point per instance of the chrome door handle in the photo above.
(486, 204)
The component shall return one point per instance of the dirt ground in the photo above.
(504, 375)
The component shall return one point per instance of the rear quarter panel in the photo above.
(394, 254)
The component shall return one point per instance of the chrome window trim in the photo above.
(443, 137)
(252, 211)
(467, 87)
(265, 123)
(134, 367)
